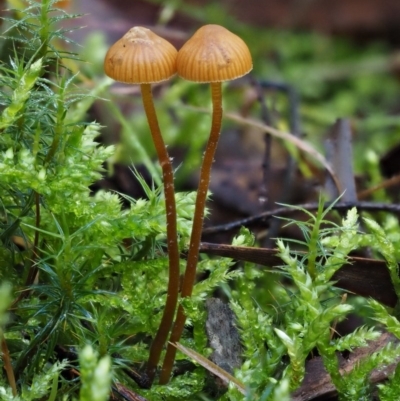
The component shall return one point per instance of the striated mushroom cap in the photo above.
(141, 57)
(213, 54)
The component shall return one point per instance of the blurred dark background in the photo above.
(360, 19)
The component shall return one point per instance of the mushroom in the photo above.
(212, 55)
(142, 57)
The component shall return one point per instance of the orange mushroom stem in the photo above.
(213, 54)
(142, 57)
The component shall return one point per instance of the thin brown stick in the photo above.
(193, 254)
(8, 366)
(172, 236)
(390, 182)
(288, 210)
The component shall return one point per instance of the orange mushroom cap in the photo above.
(213, 54)
(141, 57)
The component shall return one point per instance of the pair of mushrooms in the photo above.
(212, 55)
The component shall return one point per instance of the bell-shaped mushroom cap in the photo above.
(213, 54)
(140, 57)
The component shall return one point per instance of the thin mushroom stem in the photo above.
(193, 254)
(172, 237)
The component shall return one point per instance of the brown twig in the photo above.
(363, 276)
(390, 182)
(8, 366)
(288, 210)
